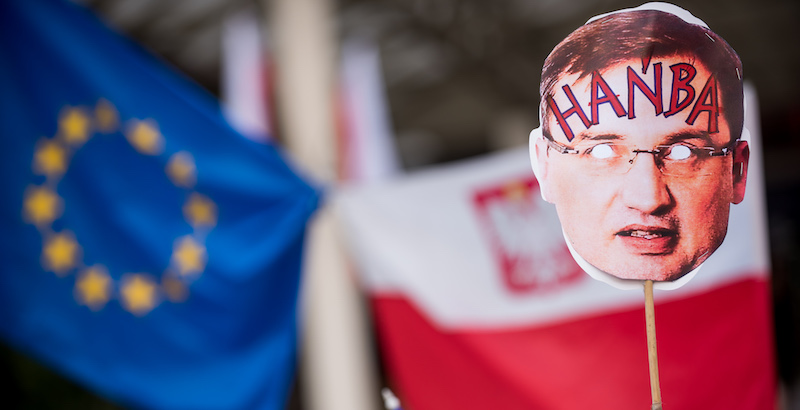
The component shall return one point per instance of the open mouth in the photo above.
(638, 233)
(648, 240)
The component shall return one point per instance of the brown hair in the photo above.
(644, 34)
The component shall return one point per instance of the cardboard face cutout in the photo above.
(640, 146)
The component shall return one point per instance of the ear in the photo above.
(741, 158)
(543, 171)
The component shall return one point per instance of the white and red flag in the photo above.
(478, 304)
(367, 150)
(246, 80)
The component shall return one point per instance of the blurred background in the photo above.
(461, 80)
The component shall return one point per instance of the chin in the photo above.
(651, 269)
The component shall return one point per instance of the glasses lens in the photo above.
(685, 161)
(604, 158)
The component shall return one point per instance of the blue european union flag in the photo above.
(148, 251)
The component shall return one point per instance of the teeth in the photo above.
(644, 234)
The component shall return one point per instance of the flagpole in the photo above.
(336, 368)
(652, 354)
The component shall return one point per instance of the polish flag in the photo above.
(477, 303)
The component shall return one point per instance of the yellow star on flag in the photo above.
(138, 293)
(93, 287)
(41, 205)
(60, 253)
(74, 126)
(145, 137)
(50, 158)
(174, 288)
(106, 116)
(181, 169)
(188, 256)
(200, 211)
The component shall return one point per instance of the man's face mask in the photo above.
(636, 150)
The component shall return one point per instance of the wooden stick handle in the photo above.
(652, 354)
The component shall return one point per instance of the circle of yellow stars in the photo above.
(138, 292)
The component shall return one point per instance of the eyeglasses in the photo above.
(680, 159)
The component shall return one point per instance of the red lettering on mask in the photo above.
(561, 117)
(709, 92)
(682, 94)
(682, 75)
(599, 84)
(653, 96)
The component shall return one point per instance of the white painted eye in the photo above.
(679, 152)
(602, 151)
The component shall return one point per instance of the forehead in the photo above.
(637, 99)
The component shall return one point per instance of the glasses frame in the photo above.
(711, 151)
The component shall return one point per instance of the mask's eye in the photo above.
(602, 151)
(678, 153)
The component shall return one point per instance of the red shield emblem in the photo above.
(525, 237)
